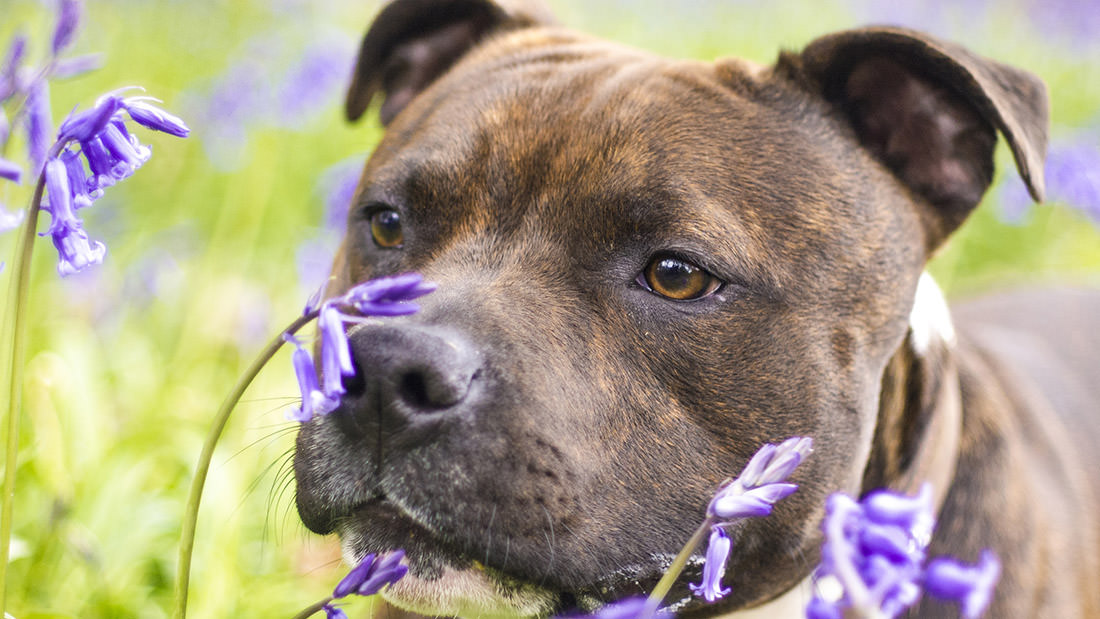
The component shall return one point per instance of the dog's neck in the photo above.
(920, 422)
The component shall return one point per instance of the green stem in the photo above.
(311, 610)
(16, 336)
(663, 586)
(191, 515)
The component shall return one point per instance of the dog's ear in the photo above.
(412, 42)
(929, 110)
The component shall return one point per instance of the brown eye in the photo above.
(678, 279)
(385, 229)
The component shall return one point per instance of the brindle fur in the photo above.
(564, 428)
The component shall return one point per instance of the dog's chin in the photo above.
(440, 582)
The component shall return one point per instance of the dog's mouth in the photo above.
(444, 580)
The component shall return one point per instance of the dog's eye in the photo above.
(677, 279)
(385, 229)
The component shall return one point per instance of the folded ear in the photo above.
(412, 42)
(929, 110)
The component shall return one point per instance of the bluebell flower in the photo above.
(969, 585)
(335, 354)
(112, 153)
(753, 494)
(388, 296)
(316, 81)
(68, 19)
(372, 574)
(38, 124)
(314, 401)
(718, 551)
(333, 612)
(68, 68)
(152, 117)
(385, 296)
(10, 171)
(875, 551)
(75, 250)
(761, 483)
(9, 69)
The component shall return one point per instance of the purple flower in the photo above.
(38, 124)
(67, 68)
(969, 585)
(10, 171)
(718, 551)
(372, 574)
(754, 503)
(760, 483)
(152, 117)
(68, 19)
(875, 551)
(752, 494)
(315, 82)
(9, 70)
(75, 250)
(337, 185)
(388, 296)
(335, 354)
(333, 612)
(84, 126)
(314, 401)
(384, 296)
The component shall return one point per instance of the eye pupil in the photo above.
(385, 228)
(678, 279)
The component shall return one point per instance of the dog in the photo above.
(648, 268)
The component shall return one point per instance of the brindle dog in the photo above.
(647, 268)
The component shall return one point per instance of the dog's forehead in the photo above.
(536, 124)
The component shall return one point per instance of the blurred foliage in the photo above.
(128, 361)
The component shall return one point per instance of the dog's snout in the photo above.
(404, 372)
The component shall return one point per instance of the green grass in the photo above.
(126, 364)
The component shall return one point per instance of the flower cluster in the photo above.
(385, 296)
(100, 138)
(873, 560)
(24, 93)
(93, 149)
(753, 494)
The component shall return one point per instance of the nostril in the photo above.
(429, 388)
(412, 388)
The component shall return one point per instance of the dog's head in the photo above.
(647, 268)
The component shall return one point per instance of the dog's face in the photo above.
(647, 269)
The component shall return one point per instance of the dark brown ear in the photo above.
(412, 42)
(930, 110)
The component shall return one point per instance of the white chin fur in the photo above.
(464, 593)
(930, 319)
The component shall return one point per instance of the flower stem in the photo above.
(16, 337)
(311, 610)
(661, 589)
(191, 514)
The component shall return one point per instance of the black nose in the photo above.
(406, 373)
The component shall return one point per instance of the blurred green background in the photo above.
(216, 243)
